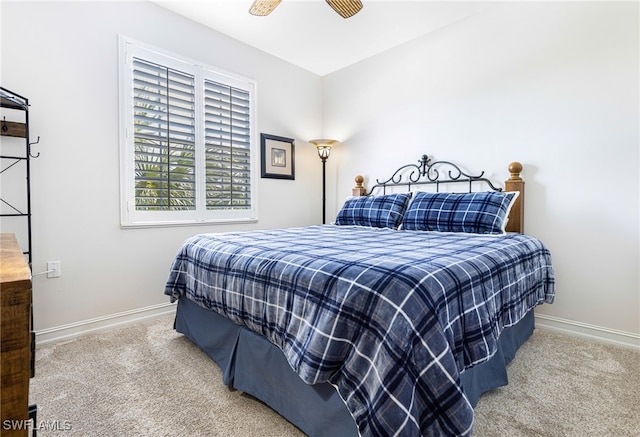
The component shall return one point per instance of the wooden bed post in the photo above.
(515, 183)
(359, 190)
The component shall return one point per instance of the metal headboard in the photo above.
(428, 172)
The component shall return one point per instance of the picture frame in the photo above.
(277, 157)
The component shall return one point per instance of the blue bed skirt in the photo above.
(252, 364)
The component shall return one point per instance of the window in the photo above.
(187, 141)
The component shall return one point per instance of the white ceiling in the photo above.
(310, 34)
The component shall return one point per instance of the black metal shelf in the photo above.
(17, 129)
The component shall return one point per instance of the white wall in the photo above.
(63, 57)
(552, 85)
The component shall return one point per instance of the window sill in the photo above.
(169, 224)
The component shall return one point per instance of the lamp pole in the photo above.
(324, 189)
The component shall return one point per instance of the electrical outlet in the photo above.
(53, 269)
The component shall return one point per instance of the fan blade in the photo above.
(263, 7)
(346, 8)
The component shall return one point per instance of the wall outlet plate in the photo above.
(53, 269)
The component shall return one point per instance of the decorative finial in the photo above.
(359, 190)
(515, 168)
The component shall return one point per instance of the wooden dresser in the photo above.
(15, 331)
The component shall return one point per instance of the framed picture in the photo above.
(278, 157)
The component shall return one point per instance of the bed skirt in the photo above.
(252, 364)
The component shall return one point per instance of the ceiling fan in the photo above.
(346, 8)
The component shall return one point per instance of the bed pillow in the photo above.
(483, 212)
(385, 211)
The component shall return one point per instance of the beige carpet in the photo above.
(146, 379)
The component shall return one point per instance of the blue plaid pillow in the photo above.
(384, 211)
(483, 212)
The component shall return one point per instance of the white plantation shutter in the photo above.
(228, 146)
(188, 148)
(164, 138)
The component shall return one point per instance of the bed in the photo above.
(392, 320)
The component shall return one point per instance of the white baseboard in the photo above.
(592, 332)
(569, 327)
(66, 332)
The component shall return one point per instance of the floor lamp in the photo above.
(324, 150)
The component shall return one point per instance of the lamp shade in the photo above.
(323, 146)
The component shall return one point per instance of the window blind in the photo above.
(227, 146)
(164, 138)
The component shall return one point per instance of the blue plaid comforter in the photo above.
(391, 318)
